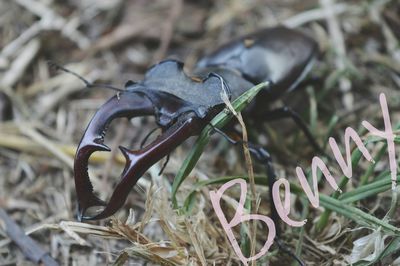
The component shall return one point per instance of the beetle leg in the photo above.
(287, 112)
(263, 156)
(285, 249)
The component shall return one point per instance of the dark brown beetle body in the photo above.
(183, 106)
(279, 55)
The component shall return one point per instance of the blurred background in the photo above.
(44, 113)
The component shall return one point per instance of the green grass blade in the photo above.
(368, 190)
(329, 203)
(357, 215)
(370, 170)
(323, 220)
(190, 199)
(355, 158)
(219, 121)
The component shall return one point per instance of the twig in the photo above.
(27, 245)
(23, 144)
(124, 33)
(196, 243)
(315, 14)
(45, 143)
(11, 48)
(50, 20)
(340, 49)
(249, 166)
(384, 60)
(378, 16)
(168, 29)
(36, 227)
(19, 65)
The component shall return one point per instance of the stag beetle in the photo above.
(183, 105)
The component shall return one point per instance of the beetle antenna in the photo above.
(87, 83)
(144, 142)
(147, 137)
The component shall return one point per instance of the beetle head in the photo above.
(177, 102)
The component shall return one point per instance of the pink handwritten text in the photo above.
(317, 163)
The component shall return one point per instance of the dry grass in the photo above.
(114, 41)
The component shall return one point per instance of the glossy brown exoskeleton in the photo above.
(183, 106)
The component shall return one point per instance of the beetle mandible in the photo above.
(184, 105)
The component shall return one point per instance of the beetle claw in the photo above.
(131, 158)
(99, 147)
(93, 201)
(128, 104)
(128, 154)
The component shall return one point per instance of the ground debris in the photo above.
(43, 114)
